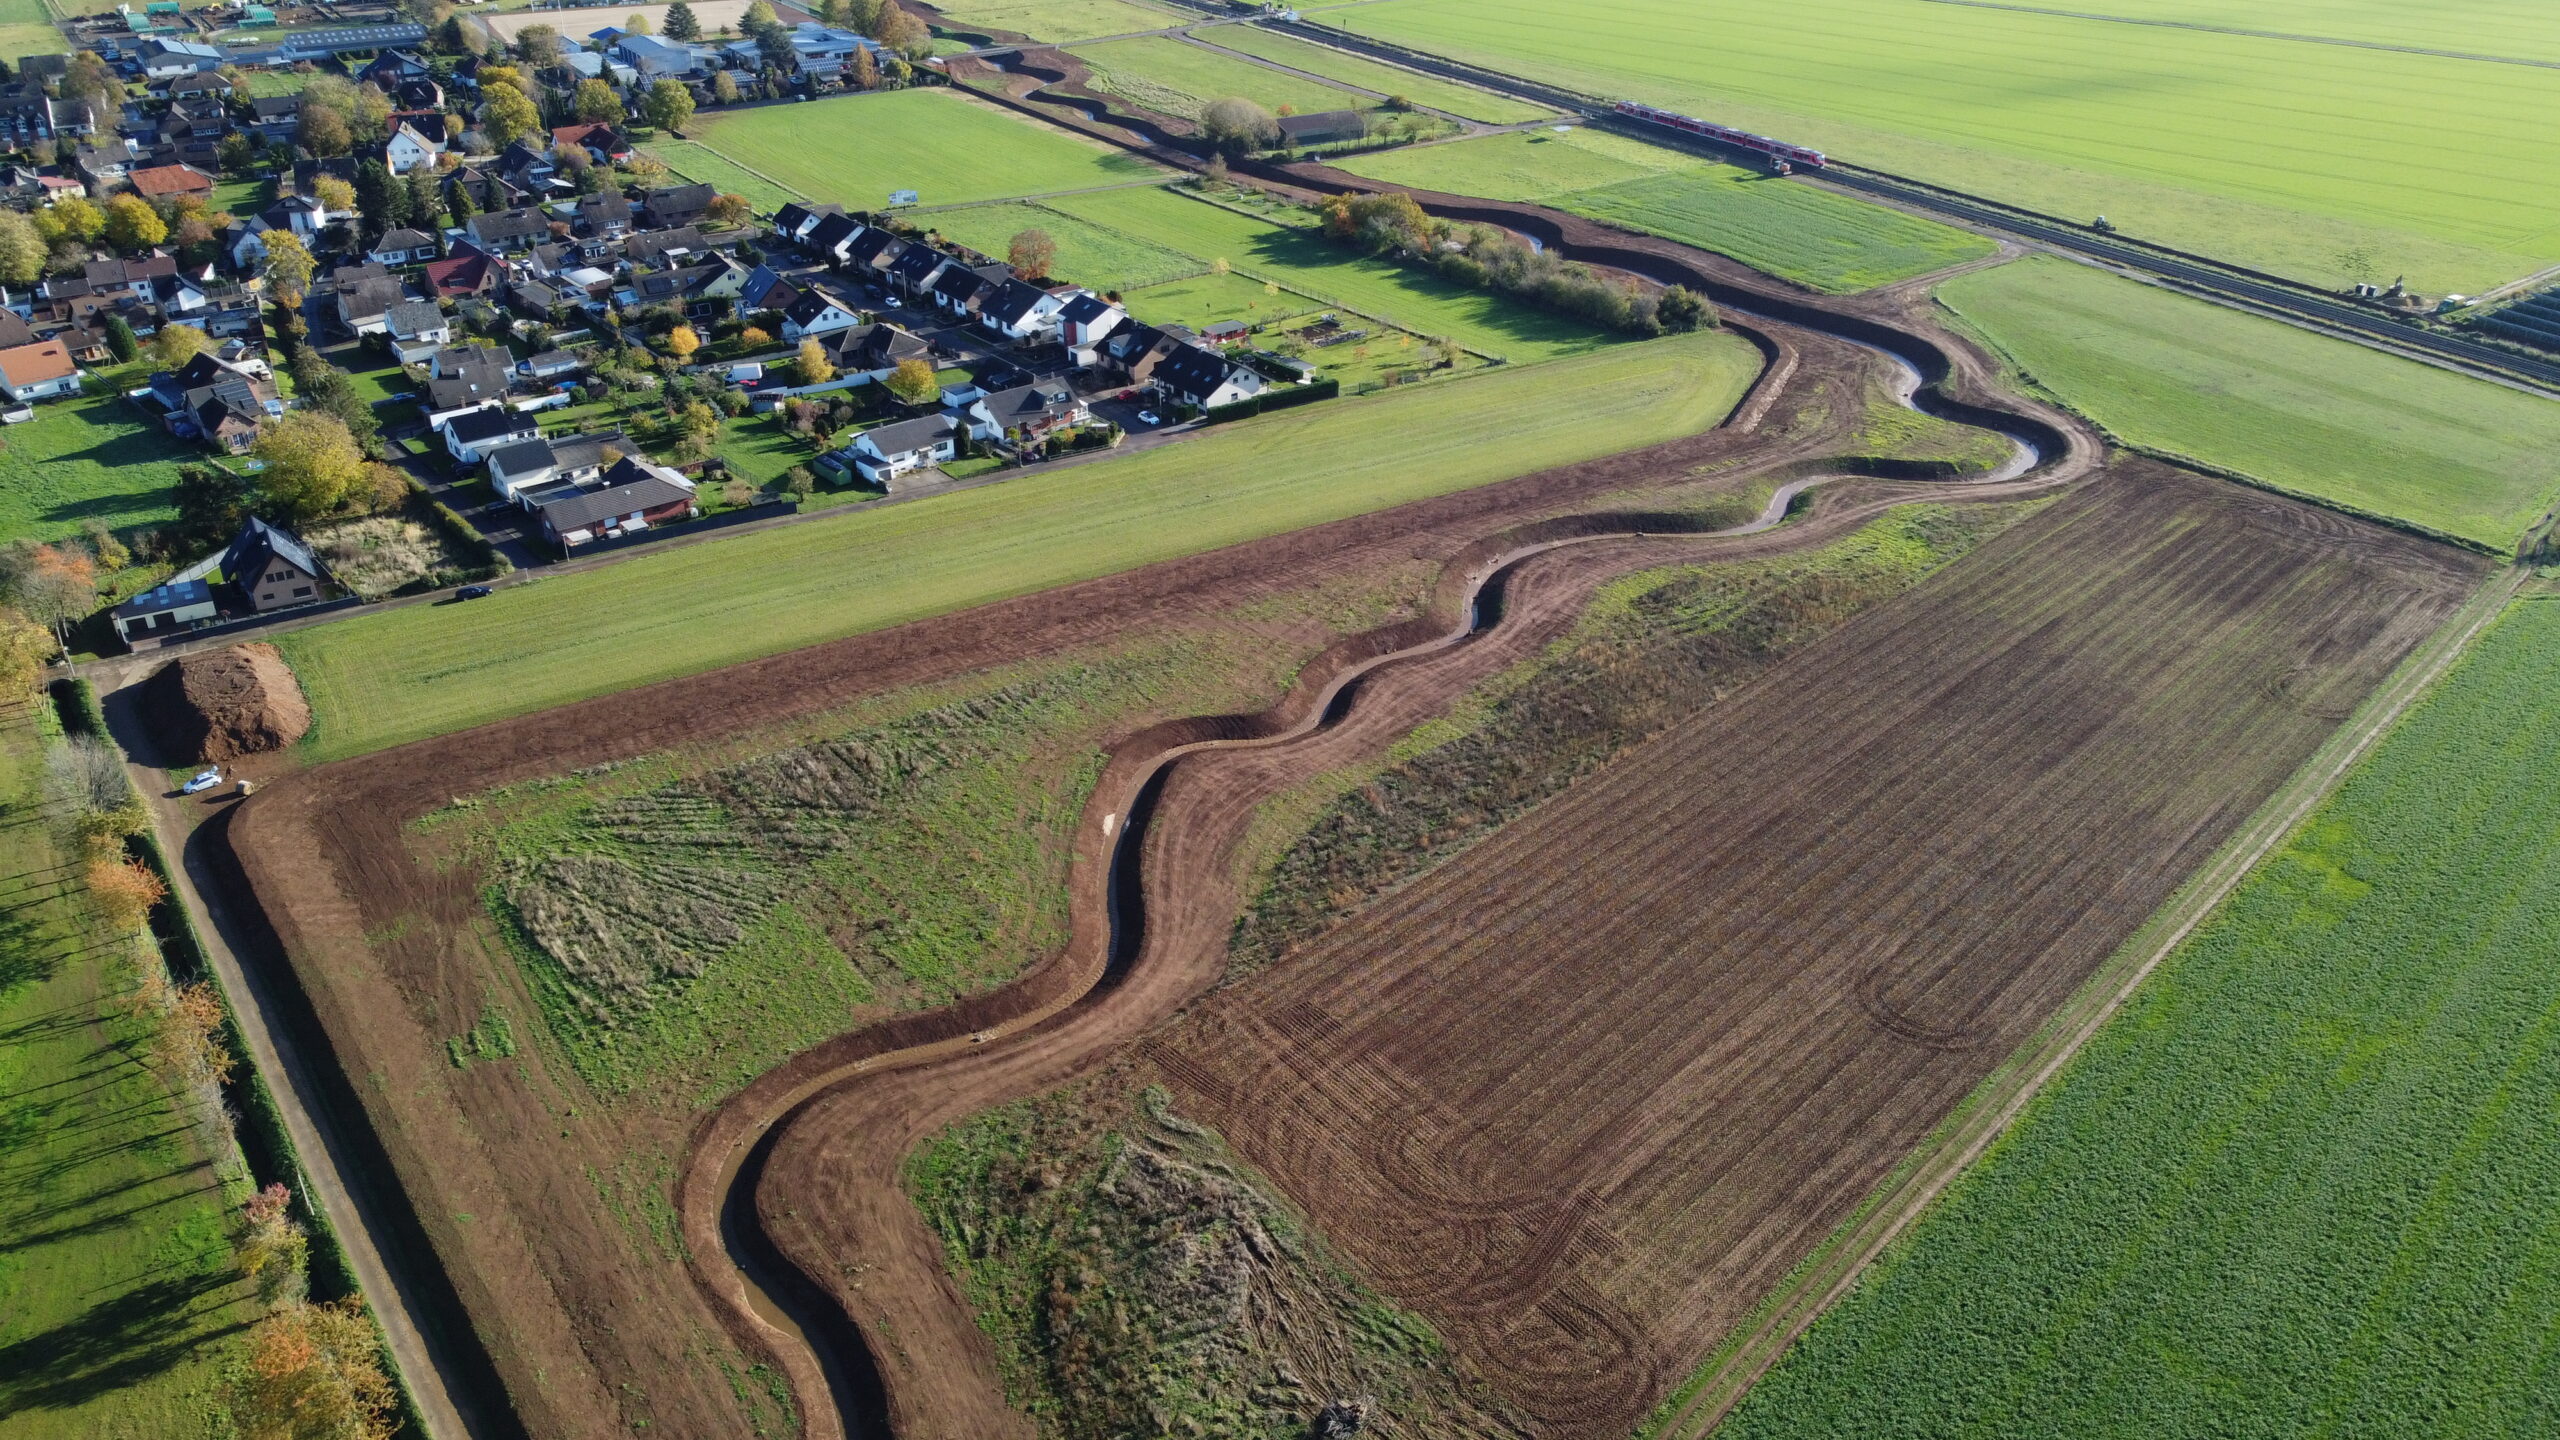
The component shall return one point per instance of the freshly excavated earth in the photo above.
(227, 703)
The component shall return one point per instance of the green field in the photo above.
(2303, 1183)
(1812, 236)
(424, 670)
(1060, 19)
(2326, 162)
(1427, 90)
(115, 1234)
(1088, 254)
(703, 165)
(85, 459)
(25, 30)
(1304, 261)
(2304, 413)
(2517, 29)
(949, 148)
(1177, 78)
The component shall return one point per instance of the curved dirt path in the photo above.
(1147, 926)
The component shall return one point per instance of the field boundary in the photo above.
(1835, 1267)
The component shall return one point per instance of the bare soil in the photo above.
(225, 704)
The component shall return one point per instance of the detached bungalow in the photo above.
(1022, 415)
(164, 610)
(886, 452)
(418, 329)
(517, 472)
(169, 182)
(634, 495)
(402, 247)
(29, 373)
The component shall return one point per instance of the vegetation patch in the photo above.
(949, 148)
(405, 674)
(2293, 1176)
(89, 459)
(1368, 74)
(1058, 21)
(1088, 254)
(692, 160)
(1175, 77)
(2300, 412)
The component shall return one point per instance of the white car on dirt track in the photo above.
(204, 780)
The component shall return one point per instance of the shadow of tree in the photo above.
(120, 1342)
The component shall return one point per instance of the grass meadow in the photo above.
(1060, 20)
(1089, 254)
(1796, 231)
(423, 670)
(1179, 78)
(2512, 29)
(92, 458)
(938, 142)
(2304, 413)
(116, 1261)
(697, 162)
(2330, 163)
(2303, 1182)
(25, 29)
(1427, 90)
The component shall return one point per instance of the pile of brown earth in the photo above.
(227, 703)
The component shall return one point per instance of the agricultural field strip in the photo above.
(2259, 151)
(1341, 65)
(1905, 1195)
(857, 149)
(2208, 548)
(2277, 956)
(2218, 23)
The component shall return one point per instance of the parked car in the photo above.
(1149, 417)
(473, 592)
(203, 781)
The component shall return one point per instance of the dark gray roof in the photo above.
(1085, 308)
(258, 542)
(523, 456)
(1024, 403)
(646, 492)
(578, 452)
(834, 230)
(875, 347)
(405, 239)
(918, 434)
(176, 595)
(1011, 303)
(678, 199)
(414, 317)
(810, 306)
(474, 426)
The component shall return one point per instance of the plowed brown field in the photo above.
(1584, 1094)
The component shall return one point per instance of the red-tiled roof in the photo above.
(37, 363)
(157, 180)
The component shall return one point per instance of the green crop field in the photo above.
(1427, 90)
(423, 670)
(115, 1254)
(1060, 20)
(85, 459)
(2326, 162)
(1300, 259)
(948, 147)
(2315, 416)
(2303, 1183)
(1178, 78)
(1812, 236)
(26, 30)
(703, 165)
(1088, 254)
(2515, 29)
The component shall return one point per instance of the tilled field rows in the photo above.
(1586, 1093)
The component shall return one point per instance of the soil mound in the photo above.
(228, 703)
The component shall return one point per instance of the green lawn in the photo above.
(1206, 299)
(1369, 74)
(1059, 20)
(1302, 260)
(2326, 162)
(2517, 28)
(2304, 1183)
(25, 29)
(242, 198)
(1790, 229)
(268, 84)
(1178, 78)
(1088, 254)
(115, 1250)
(951, 149)
(423, 670)
(86, 459)
(2305, 413)
(706, 166)
(760, 450)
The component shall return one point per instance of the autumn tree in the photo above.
(273, 1248)
(123, 892)
(900, 30)
(682, 342)
(132, 225)
(1236, 125)
(1031, 253)
(53, 585)
(312, 464)
(815, 368)
(724, 88)
(913, 382)
(538, 46)
(507, 115)
(337, 195)
(866, 71)
(175, 345)
(668, 106)
(314, 1372)
(681, 23)
(636, 23)
(75, 218)
(22, 249)
(598, 102)
(1682, 309)
(759, 15)
(325, 132)
(24, 648)
(288, 266)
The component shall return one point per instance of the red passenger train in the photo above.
(1724, 134)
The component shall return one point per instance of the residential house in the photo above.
(1023, 313)
(467, 272)
(124, 280)
(102, 167)
(815, 314)
(872, 351)
(364, 303)
(168, 59)
(474, 433)
(51, 188)
(1198, 376)
(29, 116)
(653, 58)
(392, 69)
(765, 289)
(530, 169)
(164, 610)
(632, 495)
(963, 289)
(489, 190)
(200, 84)
(664, 247)
(873, 249)
(200, 118)
(219, 402)
(703, 292)
(1085, 321)
(916, 269)
(1022, 415)
(40, 371)
(602, 142)
(87, 342)
(604, 214)
(508, 231)
(885, 452)
(402, 247)
(304, 215)
(821, 52)
(794, 221)
(275, 117)
(676, 204)
(414, 145)
(465, 377)
(419, 328)
(553, 365)
(595, 65)
(833, 236)
(516, 471)
(244, 245)
(1324, 127)
(272, 569)
(15, 331)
